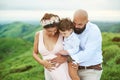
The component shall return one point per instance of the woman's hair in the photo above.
(49, 20)
(65, 24)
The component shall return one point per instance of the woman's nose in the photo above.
(53, 33)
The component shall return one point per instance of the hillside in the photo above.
(111, 56)
(19, 29)
(109, 26)
(9, 46)
(27, 31)
(17, 63)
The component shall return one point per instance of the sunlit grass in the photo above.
(18, 64)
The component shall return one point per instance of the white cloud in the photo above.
(22, 15)
(59, 4)
(34, 9)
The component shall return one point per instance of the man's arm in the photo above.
(92, 47)
(59, 59)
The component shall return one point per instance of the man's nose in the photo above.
(76, 26)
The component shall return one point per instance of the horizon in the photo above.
(23, 16)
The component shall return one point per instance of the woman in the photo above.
(48, 43)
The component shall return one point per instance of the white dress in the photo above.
(60, 73)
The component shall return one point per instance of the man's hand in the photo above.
(63, 52)
(59, 59)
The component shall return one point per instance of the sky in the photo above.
(104, 10)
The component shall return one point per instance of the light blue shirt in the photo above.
(90, 52)
(71, 45)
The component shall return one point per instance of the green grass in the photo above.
(111, 57)
(19, 30)
(22, 67)
(17, 63)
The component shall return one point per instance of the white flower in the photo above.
(51, 21)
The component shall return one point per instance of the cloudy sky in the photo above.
(35, 9)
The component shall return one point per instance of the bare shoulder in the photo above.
(36, 38)
(37, 34)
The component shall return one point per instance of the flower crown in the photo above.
(50, 21)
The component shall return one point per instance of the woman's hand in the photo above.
(48, 65)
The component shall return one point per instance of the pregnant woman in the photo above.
(48, 42)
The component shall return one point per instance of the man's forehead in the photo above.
(78, 21)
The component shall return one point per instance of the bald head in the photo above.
(80, 20)
(81, 14)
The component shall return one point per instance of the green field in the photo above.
(17, 63)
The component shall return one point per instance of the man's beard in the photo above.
(79, 30)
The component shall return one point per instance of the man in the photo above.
(90, 53)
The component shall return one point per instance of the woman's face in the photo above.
(51, 31)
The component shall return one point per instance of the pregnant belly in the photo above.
(50, 56)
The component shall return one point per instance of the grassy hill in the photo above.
(111, 56)
(19, 29)
(109, 26)
(17, 63)
(9, 46)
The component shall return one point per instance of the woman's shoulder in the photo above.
(38, 32)
(37, 36)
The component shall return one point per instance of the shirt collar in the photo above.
(69, 37)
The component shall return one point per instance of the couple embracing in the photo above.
(69, 50)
